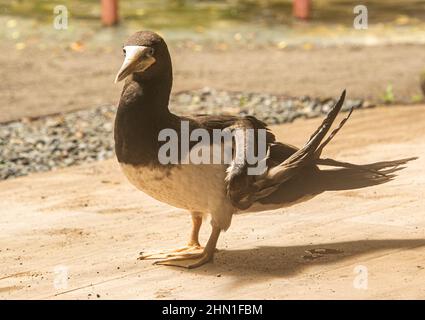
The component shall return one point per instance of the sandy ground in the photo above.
(76, 233)
(37, 82)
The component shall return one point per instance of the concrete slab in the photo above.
(76, 233)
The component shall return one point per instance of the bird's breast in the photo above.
(188, 186)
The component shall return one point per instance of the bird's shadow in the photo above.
(265, 262)
(311, 183)
(285, 261)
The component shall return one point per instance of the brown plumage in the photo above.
(219, 190)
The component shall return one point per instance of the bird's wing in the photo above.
(237, 180)
(241, 186)
(282, 161)
(246, 190)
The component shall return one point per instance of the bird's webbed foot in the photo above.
(165, 254)
(188, 260)
(191, 260)
(191, 248)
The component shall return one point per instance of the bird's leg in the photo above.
(194, 260)
(196, 226)
(192, 246)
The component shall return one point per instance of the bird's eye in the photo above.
(123, 51)
(150, 52)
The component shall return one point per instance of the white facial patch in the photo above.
(137, 59)
(135, 53)
(132, 52)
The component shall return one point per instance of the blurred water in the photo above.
(256, 22)
(193, 14)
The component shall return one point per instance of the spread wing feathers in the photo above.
(244, 141)
(237, 180)
(284, 161)
(243, 194)
(311, 149)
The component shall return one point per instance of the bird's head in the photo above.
(145, 56)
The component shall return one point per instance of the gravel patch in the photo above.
(56, 141)
(74, 138)
(273, 109)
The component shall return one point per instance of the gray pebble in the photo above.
(87, 135)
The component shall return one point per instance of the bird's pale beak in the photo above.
(135, 61)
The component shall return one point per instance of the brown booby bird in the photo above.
(217, 189)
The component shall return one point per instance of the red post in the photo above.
(301, 9)
(109, 12)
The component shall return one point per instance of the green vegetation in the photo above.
(416, 98)
(388, 96)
